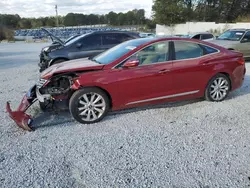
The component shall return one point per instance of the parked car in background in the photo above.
(86, 45)
(135, 73)
(235, 39)
(56, 43)
(205, 36)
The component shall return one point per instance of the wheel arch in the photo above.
(224, 73)
(228, 76)
(101, 88)
(207, 94)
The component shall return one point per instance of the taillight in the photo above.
(241, 61)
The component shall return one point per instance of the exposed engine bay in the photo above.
(57, 86)
(47, 92)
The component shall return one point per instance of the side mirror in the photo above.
(131, 63)
(78, 45)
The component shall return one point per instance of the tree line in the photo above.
(133, 17)
(165, 12)
(169, 12)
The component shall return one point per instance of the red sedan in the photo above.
(135, 73)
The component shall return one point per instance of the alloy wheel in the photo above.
(219, 89)
(91, 106)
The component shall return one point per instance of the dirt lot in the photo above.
(186, 144)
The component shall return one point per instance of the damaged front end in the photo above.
(57, 88)
(22, 119)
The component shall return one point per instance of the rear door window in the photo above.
(187, 50)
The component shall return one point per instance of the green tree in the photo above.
(169, 12)
(70, 20)
(25, 23)
(9, 20)
(112, 18)
(140, 16)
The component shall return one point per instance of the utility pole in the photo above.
(56, 16)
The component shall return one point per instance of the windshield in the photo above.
(118, 51)
(231, 35)
(75, 39)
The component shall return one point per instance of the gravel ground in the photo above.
(186, 144)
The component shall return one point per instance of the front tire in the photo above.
(218, 88)
(89, 105)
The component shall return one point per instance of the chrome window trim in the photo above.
(164, 97)
(218, 51)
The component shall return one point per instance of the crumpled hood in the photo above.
(224, 43)
(71, 66)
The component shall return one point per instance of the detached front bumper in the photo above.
(22, 119)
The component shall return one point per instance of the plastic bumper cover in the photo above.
(22, 119)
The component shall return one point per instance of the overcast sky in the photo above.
(37, 8)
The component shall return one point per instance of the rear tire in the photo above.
(218, 88)
(89, 105)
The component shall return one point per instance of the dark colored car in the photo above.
(86, 45)
(56, 43)
(135, 73)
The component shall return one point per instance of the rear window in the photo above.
(209, 50)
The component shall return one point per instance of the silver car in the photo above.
(235, 39)
(205, 36)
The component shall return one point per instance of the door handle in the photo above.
(163, 71)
